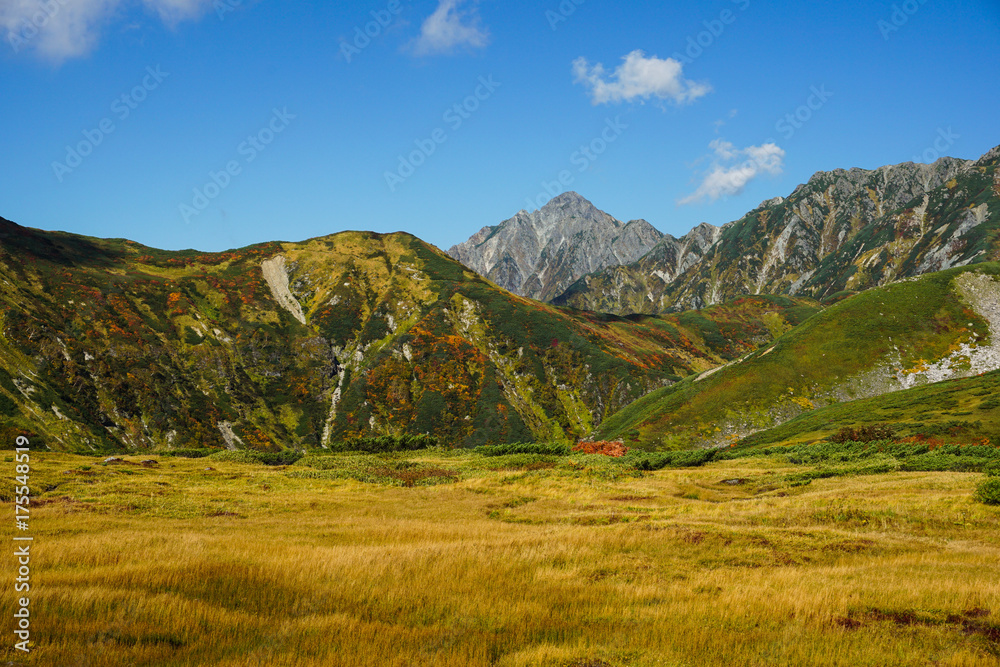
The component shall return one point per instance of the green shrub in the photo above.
(681, 459)
(386, 443)
(882, 456)
(542, 448)
(188, 453)
(282, 458)
(867, 433)
(8, 408)
(988, 491)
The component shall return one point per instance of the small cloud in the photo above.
(448, 28)
(638, 77)
(721, 122)
(173, 12)
(732, 168)
(62, 29)
(724, 150)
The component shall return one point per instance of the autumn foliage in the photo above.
(607, 448)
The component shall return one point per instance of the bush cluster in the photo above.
(543, 448)
(189, 453)
(988, 491)
(607, 448)
(282, 458)
(679, 459)
(386, 443)
(869, 433)
(897, 455)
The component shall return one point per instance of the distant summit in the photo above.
(540, 254)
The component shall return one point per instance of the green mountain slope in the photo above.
(937, 327)
(967, 409)
(110, 345)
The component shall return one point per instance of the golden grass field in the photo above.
(561, 562)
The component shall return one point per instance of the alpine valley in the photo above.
(851, 297)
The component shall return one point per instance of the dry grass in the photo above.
(569, 565)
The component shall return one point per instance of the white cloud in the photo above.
(734, 167)
(175, 11)
(720, 122)
(638, 77)
(448, 28)
(63, 29)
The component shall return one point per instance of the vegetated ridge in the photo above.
(109, 345)
(937, 327)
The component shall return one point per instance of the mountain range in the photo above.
(844, 230)
(109, 345)
(859, 284)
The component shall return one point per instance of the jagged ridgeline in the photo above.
(110, 345)
(904, 336)
(844, 230)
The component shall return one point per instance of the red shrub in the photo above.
(604, 447)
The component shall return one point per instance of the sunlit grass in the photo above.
(521, 561)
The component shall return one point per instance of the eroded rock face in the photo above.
(539, 254)
(847, 229)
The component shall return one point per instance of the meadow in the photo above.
(454, 558)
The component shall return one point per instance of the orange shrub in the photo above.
(616, 448)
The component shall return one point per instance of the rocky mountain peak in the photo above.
(990, 158)
(573, 205)
(539, 254)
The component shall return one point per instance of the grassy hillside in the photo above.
(869, 344)
(522, 561)
(966, 409)
(112, 346)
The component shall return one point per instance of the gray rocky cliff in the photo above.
(539, 254)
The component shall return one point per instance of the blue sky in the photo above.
(214, 124)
